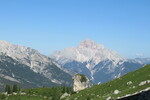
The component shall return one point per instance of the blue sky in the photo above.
(49, 25)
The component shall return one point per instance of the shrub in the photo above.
(83, 78)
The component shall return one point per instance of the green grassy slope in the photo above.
(24, 98)
(53, 93)
(103, 91)
(97, 92)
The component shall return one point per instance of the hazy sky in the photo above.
(49, 25)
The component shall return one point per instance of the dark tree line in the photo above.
(67, 89)
(10, 90)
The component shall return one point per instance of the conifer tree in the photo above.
(19, 89)
(8, 89)
(15, 88)
(64, 89)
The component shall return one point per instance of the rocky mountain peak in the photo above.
(4, 43)
(34, 60)
(87, 52)
(90, 44)
(12, 48)
(17, 52)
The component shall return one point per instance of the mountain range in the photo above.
(97, 62)
(28, 68)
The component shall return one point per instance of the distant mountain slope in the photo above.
(129, 84)
(39, 64)
(95, 61)
(13, 72)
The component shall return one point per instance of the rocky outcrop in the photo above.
(64, 95)
(80, 82)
